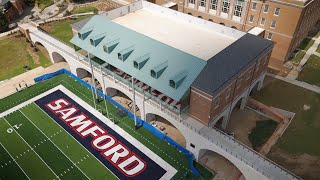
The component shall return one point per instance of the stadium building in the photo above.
(286, 22)
(187, 71)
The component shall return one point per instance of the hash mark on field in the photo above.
(29, 145)
(53, 143)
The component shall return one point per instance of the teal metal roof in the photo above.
(130, 46)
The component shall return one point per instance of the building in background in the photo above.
(287, 22)
(11, 8)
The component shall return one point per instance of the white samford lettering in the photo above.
(115, 152)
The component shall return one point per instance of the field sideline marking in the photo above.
(30, 147)
(177, 163)
(53, 143)
(15, 161)
(76, 140)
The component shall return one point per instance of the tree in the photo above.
(3, 22)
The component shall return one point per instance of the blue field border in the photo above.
(149, 127)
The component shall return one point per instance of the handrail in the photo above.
(170, 113)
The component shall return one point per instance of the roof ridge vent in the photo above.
(95, 40)
(125, 53)
(157, 70)
(110, 45)
(141, 61)
(84, 33)
(176, 80)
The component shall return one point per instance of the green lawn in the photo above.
(16, 53)
(160, 147)
(311, 71)
(84, 9)
(318, 35)
(318, 49)
(298, 57)
(42, 4)
(303, 132)
(306, 44)
(261, 133)
(61, 29)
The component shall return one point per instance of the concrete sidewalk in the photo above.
(302, 84)
(8, 87)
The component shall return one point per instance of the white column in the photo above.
(219, 4)
(231, 8)
(244, 11)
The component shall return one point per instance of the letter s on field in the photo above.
(58, 104)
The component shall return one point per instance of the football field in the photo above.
(34, 145)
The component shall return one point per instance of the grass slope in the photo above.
(311, 71)
(261, 133)
(84, 9)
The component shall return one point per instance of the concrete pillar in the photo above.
(243, 102)
(244, 11)
(219, 4)
(111, 92)
(225, 120)
(231, 9)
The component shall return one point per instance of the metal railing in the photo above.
(112, 76)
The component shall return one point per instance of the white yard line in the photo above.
(54, 144)
(14, 160)
(76, 140)
(31, 147)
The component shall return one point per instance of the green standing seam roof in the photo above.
(158, 53)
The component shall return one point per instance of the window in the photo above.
(254, 6)
(238, 8)
(266, 8)
(228, 93)
(273, 24)
(269, 36)
(213, 4)
(263, 21)
(191, 1)
(225, 6)
(257, 66)
(251, 19)
(216, 102)
(239, 83)
(202, 3)
(277, 11)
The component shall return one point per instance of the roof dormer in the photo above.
(84, 33)
(95, 40)
(125, 53)
(158, 69)
(110, 45)
(141, 61)
(177, 79)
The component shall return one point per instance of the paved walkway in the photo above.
(9, 86)
(297, 83)
(294, 73)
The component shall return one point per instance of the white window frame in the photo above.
(265, 8)
(263, 20)
(254, 6)
(213, 4)
(273, 24)
(225, 6)
(239, 81)
(191, 1)
(238, 7)
(216, 102)
(251, 18)
(269, 37)
(228, 93)
(277, 11)
(202, 2)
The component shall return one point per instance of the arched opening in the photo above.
(223, 168)
(218, 124)
(166, 127)
(122, 99)
(200, 17)
(233, 27)
(87, 76)
(41, 51)
(254, 89)
(190, 14)
(222, 24)
(56, 58)
(210, 20)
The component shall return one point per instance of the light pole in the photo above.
(134, 103)
(94, 95)
(105, 102)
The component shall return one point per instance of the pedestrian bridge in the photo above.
(198, 137)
